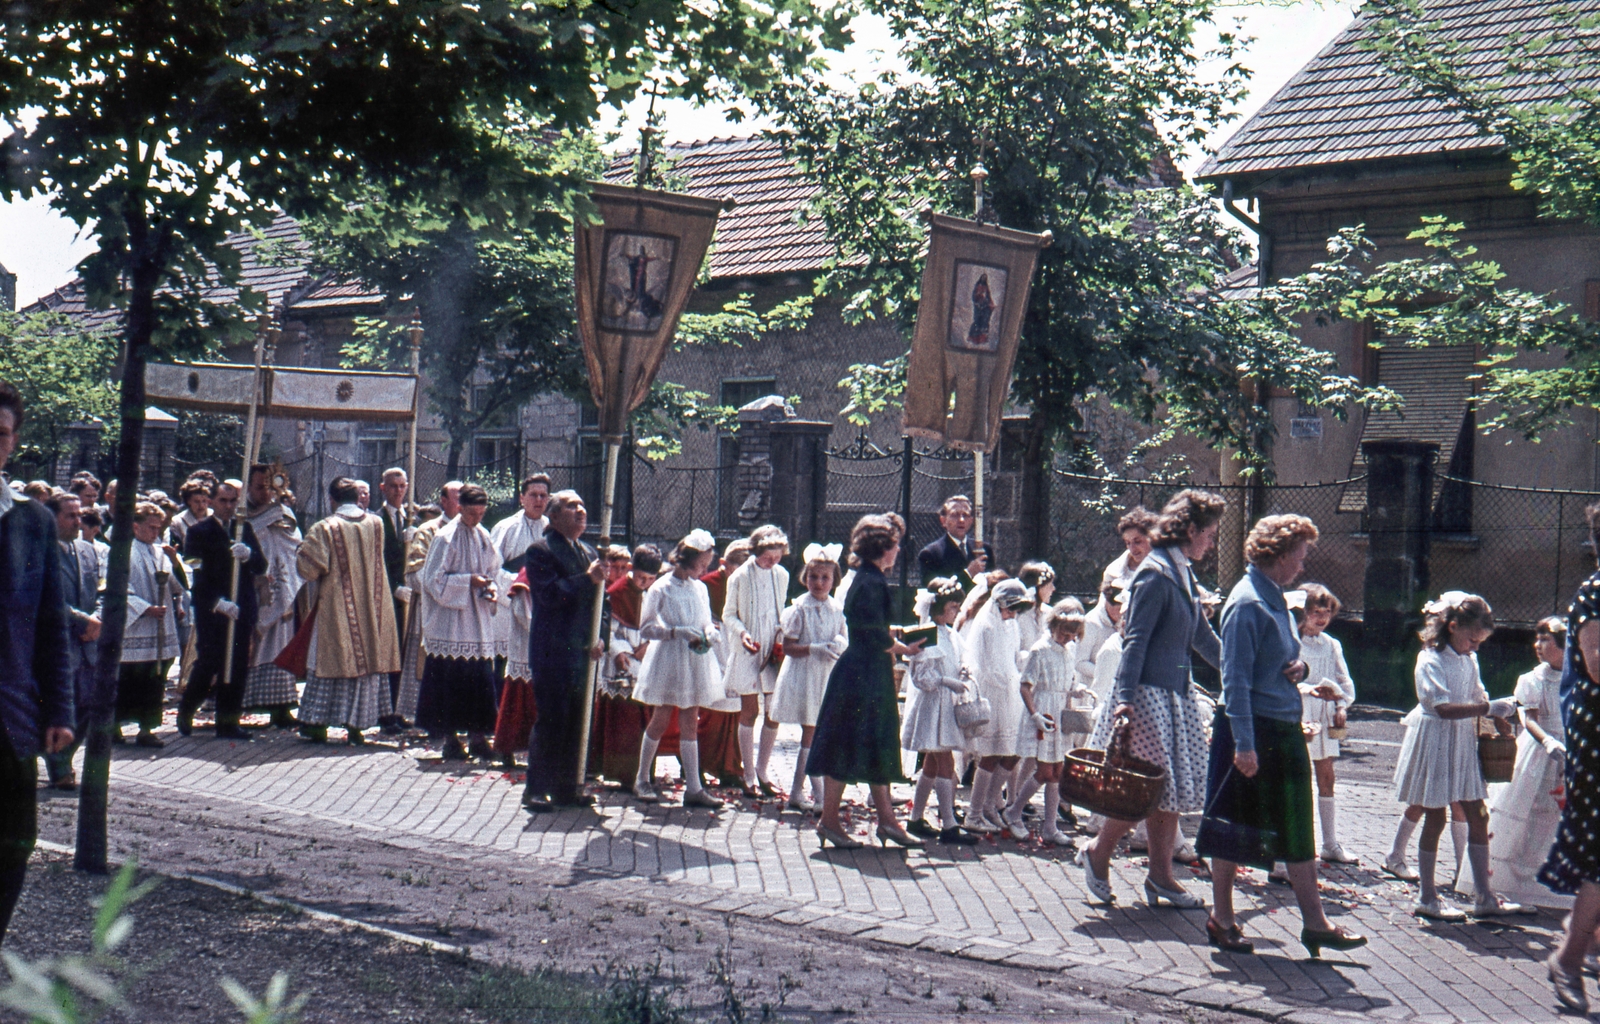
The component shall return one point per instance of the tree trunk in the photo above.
(93, 795)
(453, 457)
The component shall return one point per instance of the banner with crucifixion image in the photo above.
(635, 271)
(974, 294)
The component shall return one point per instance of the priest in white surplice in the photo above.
(512, 536)
(353, 642)
(462, 578)
(411, 654)
(269, 688)
(149, 640)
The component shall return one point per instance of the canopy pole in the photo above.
(416, 403)
(237, 527)
(977, 498)
(607, 501)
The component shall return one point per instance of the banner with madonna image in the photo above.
(974, 294)
(635, 271)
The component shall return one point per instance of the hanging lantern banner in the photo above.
(974, 294)
(635, 270)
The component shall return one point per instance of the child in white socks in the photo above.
(678, 670)
(929, 726)
(814, 636)
(1047, 689)
(757, 593)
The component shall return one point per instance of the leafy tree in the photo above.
(1061, 103)
(167, 126)
(65, 371)
(1539, 92)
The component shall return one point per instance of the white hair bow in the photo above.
(824, 552)
(1294, 598)
(700, 540)
(1446, 601)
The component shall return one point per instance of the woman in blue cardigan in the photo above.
(1154, 693)
(1260, 777)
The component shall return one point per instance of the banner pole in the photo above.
(608, 499)
(977, 498)
(237, 528)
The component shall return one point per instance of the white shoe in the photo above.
(1495, 905)
(645, 793)
(800, 803)
(1099, 888)
(1057, 838)
(1437, 910)
(1398, 867)
(1017, 829)
(978, 822)
(1185, 855)
(1333, 853)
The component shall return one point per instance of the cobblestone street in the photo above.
(1020, 904)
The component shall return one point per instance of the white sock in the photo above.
(1325, 814)
(747, 752)
(1024, 794)
(919, 802)
(689, 754)
(797, 791)
(1005, 781)
(1458, 839)
(1052, 804)
(818, 789)
(769, 736)
(946, 788)
(978, 801)
(1478, 857)
(1426, 865)
(1402, 838)
(647, 761)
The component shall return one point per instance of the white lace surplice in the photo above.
(457, 623)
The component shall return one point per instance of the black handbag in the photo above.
(1232, 841)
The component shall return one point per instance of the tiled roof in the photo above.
(762, 234)
(1345, 107)
(279, 272)
(1437, 387)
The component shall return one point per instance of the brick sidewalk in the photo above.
(1018, 903)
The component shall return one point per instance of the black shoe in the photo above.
(956, 837)
(574, 800)
(1030, 812)
(453, 750)
(150, 739)
(353, 736)
(1065, 816)
(479, 750)
(185, 723)
(118, 738)
(391, 725)
(920, 827)
(537, 805)
(314, 733)
(283, 718)
(232, 732)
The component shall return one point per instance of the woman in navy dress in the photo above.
(858, 726)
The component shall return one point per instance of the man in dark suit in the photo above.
(36, 700)
(211, 541)
(563, 573)
(955, 553)
(393, 487)
(80, 583)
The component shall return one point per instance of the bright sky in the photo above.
(42, 248)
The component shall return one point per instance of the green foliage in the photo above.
(72, 989)
(64, 372)
(618, 995)
(1059, 100)
(275, 1006)
(1447, 297)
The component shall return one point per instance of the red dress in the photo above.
(518, 713)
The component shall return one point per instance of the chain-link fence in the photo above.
(1526, 550)
(1084, 509)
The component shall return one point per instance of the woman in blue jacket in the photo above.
(1155, 695)
(1260, 776)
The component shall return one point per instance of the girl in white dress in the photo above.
(1523, 813)
(678, 670)
(1325, 695)
(1034, 625)
(1047, 689)
(757, 592)
(938, 680)
(1438, 762)
(991, 659)
(814, 636)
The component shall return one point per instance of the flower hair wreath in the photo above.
(1446, 602)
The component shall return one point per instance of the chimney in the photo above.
(8, 290)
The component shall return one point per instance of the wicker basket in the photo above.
(1496, 753)
(1113, 782)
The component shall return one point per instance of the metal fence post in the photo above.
(1561, 518)
(906, 457)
